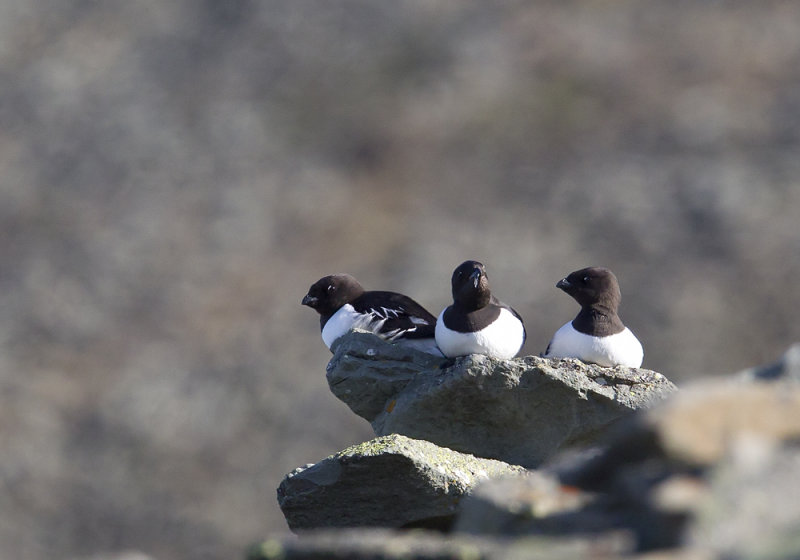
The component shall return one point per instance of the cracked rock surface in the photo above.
(520, 411)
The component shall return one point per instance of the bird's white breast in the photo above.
(622, 348)
(501, 339)
(345, 320)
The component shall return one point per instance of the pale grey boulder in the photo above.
(520, 411)
(391, 481)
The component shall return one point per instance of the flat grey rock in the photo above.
(391, 481)
(520, 411)
(385, 544)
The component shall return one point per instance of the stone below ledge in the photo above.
(391, 481)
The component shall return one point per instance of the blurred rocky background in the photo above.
(174, 175)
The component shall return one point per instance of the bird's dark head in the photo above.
(329, 293)
(593, 287)
(471, 285)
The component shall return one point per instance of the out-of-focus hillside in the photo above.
(174, 175)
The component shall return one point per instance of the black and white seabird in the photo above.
(597, 334)
(477, 322)
(343, 305)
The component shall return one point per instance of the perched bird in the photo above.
(343, 304)
(477, 322)
(597, 334)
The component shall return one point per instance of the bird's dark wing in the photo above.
(402, 316)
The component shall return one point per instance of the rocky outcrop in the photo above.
(391, 481)
(709, 473)
(436, 417)
(521, 411)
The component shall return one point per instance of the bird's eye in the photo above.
(585, 279)
(331, 288)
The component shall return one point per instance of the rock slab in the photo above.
(710, 474)
(520, 411)
(390, 481)
(385, 544)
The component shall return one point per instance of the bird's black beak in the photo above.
(563, 284)
(475, 277)
(309, 300)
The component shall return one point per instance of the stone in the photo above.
(520, 411)
(390, 481)
(384, 544)
(372, 544)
